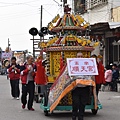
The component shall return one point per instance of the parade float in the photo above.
(69, 36)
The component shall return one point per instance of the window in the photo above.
(115, 53)
(90, 4)
(79, 6)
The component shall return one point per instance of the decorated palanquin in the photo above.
(69, 37)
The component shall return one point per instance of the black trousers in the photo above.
(114, 85)
(28, 89)
(98, 86)
(15, 92)
(80, 97)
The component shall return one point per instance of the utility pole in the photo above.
(33, 47)
(64, 2)
(41, 12)
(8, 44)
(63, 5)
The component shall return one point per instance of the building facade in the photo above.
(104, 17)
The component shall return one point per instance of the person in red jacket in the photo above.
(28, 86)
(13, 70)
(99, 79)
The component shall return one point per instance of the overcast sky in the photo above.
(18, 16)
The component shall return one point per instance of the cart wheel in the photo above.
(52, 112)
(45, 98)
(36, 98)
(94, 112)
(46, 113)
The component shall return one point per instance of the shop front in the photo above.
(108, 34)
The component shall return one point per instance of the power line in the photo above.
(29, 13)
(23, 16)
(22, 3)
(114, 4)
(57, 2)
(18, 3)
(104, 16)
(12, 35)
(48, 12)
(18, 15)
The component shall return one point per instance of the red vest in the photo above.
(24, 73)
(100, 79)
(40, 77)
(14, 75)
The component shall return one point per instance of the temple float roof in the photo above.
(68, 22)
(66, 30)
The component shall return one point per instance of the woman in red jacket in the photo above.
(99, 79)
(14, 75)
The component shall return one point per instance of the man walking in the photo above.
(28, 86)
(80, 97)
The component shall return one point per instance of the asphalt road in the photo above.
(10, 109)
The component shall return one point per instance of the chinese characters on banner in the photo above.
(6, 55)
(82, 66)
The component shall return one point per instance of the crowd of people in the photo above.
(26, 73)
(111, 77)
(108, 75)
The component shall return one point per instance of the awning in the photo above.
(99, 28)
(113, 25)
(102, 27)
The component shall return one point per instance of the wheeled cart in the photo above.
(46, 108)
(69, 36)
(39, 90)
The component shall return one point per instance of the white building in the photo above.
(107, 12)
(95, 11)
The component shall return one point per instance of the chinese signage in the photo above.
(82, 66)
(6, 55)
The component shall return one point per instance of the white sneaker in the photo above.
(13, 98)
(17, 98)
